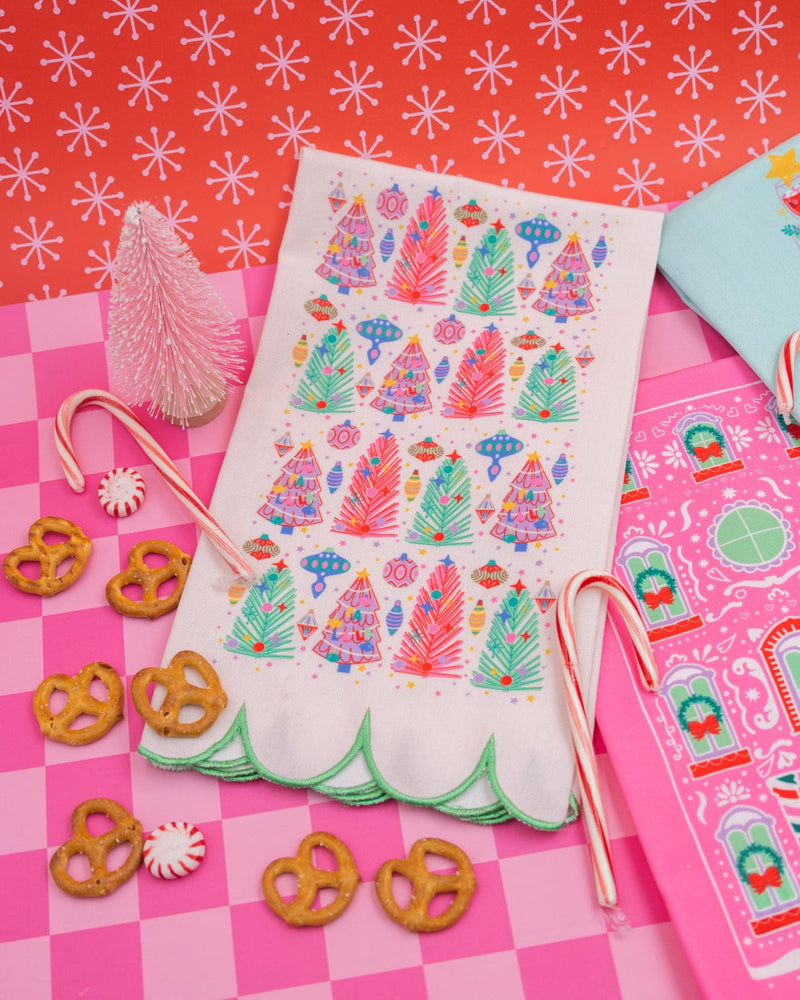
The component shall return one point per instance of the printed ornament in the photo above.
(386, 245)
(477, 617)
(392, 203)
(426, 450)
(334, 478)
(337, 197)
(528, 341)
(545, 596)
(307, 625)
(400, 572)
(394, 618)
(470, 214)
(442, 369)
(173, 850)
(449, 331)
(323, 565)
(121, 492)
(560, 469)
(321, 309)
(526, 288)
(517, 369)
(300, 351)
(237, 590)
(489, 575)
(343, 436)
(485, 509)
(599, 251)
(378, 331)
(460, 252)
(412, 486)
(584, 357)
(261, 548)
(171, 337)
(498, 447)
(283, 444)
(537, 232)
(365, 385)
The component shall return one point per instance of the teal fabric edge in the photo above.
(249, 768)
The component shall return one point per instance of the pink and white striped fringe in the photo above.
(784, 380)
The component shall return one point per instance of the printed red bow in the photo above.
(793, 430)
(704, 727)
(712, 451)
(760, 881)
(663, 596)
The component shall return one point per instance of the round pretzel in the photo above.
(96, 849)
(149, 578)
(56, 725)
(425, 885)
(180, 692)
(310, 879)
(77, 547)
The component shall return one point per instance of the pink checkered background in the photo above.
(533, 929)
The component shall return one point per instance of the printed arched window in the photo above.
(789, 430)
(781, 651)
(632, 488)
(709, 452)
(648, 567)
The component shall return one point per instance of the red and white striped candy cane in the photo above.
(784, 379)
(69, 462)
(591, 802)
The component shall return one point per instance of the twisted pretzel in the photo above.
(79, 702)
(96, 849)
(310, 880)
(425, 885)
(180, 693)
(77, 547)
(149, 578)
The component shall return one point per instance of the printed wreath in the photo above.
(653, 572)
(757, 849)
(698, 699)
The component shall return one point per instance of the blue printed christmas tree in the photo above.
(264, 626)
(510, 661)
(444, 514)
(327, 380)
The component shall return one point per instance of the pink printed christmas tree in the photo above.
(170, 334)
(526, 514)
(431, 645)
(295, 499)
(372, 502)
(407, 387)
(477, 389)
(419, 274)
(349, 260)
(351, 634)
(566, 291)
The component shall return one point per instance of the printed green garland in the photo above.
(653, 572)
(757, 849)
(713, 707)
(696, 429)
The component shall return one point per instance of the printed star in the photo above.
(339, 326)
(534, 456)
(413, 339)
(280, 566)
(497, 226)
(454, 456)
(435, 193)
(558, 347)
(519, 586)
(447, 561)
(784, 167)
(359, 199)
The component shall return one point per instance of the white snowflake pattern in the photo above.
(420, 42)
(22, 175)
(175, 219)
(56, 9)
(97, 198)
(693, 72)
(207, 39)
(105, 264)
(555, 22)
(673, 456)
(740, 436)
(569, 160)
(83, 129)
(288, 4)
(729, 493)
(243, 245)
(288, 191)
(293, 132)
(498, 137)
(689, 8)
(67, 59)
(131, 13)
(10, 107)
(356, 88)
(766, 145)
(639, 184)
(630, 117)
(646, 462)
(761, 96)
(436, 167)
(158, 153)
(490, 67)
(624, 48)
(220, 109)
(37, 243)
(487, 6)
(561, 92)
(699, 141)
(47, 294)
(232, 178)
(367, 152)
(347, 16)
(10, 30)
(767, 431)
(144, 83)
(428, 111)
(757, 28)
(282, 63)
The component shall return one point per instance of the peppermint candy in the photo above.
(173, 850)
(121, 492)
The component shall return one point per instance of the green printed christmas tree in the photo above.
(407, 387)
(351, 634)
(264, 626)
(550, 395)
(327, 380)
(431, 645)
(510, 661)
(349, 260)
(477, 389)
(419, 275)
(488, 287)
(372, 501)
(566, 291)
(444, 514)
(295, 499)
(526, 514)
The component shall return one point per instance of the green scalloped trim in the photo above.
(249, 768)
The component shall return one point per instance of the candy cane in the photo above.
(69, 462)
(784, 388)
(594, 817)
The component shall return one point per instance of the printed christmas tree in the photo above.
(373, 499)
(444, 514)
(264, 626)
(510, 660)
(407, 387)
(477, 389)
(566, 291)
(295, 499)
(419, 273)
(349, 260)
(526, 514)
(488, 287)
(431, 645)
(351, 634)
(327, 379)
(550, 394)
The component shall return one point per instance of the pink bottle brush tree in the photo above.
(171, 336)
